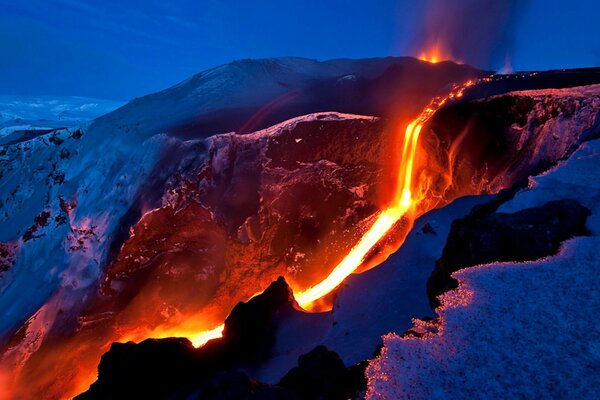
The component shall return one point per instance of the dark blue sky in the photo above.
(122, 49)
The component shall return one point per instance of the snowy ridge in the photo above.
(89, 170)
(290, 124)
(237, 85)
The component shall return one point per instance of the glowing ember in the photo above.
(402, 204)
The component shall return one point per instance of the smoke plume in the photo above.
(476, 32)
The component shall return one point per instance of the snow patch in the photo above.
(512, 330)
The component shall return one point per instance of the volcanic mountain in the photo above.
(156, 219)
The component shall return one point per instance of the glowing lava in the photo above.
(435, 54)
(404, 201)
(201, 338)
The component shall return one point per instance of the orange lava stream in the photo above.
(403, 203)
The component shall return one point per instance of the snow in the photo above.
(24, 117)
(282, 128)
(237, 86)
(49, 108)
(512, 330)
(105, 173)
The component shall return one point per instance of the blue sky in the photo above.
(122, 49)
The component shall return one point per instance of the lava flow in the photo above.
(403, 202)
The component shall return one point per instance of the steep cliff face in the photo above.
(290, 200)
(489, 144)
(236, 212)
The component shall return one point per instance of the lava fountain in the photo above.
(436, 53)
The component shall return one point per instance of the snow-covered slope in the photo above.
(512, 330)
(248, 95)
(383, 299)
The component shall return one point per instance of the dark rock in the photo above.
(163, 368)
(486, 145)
(321, 374)
(40, 221)
(428, 229)
(485, 236)
(154, 368)
(77, 134)
(558, 79)
(7, 256)
(172, 368)
(57, 140)
(250, 326)
(236, 385)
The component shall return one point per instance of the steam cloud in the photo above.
(477, 32)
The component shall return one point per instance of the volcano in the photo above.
(288, 228)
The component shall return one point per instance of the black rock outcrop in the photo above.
(321, 374)
(486, 236)
(163, 368)
(173, 368)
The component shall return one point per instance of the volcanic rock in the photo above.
(173, 368)
(526, 235)
(489, 144)
(161, 368)
(321, 374)
(249, 328)
(236, 385)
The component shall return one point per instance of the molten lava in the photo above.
(201, 338)
(435, 54)
(404, 202)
